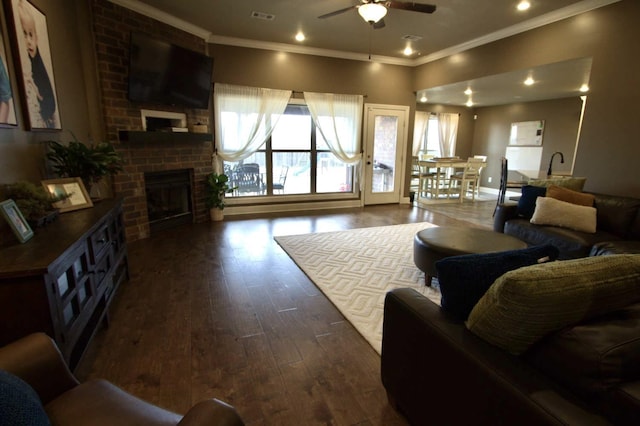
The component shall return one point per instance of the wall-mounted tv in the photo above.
(166, 74)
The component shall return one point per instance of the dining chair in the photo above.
(432, 183)
(279, 185)
(414, 184)
(502, 189)
(248, 179)
(469, 180)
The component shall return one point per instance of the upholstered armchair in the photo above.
(37, 387)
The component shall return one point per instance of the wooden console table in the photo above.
(62, 281)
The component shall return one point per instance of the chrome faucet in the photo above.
(551, 161)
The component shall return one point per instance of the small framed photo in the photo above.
(72, 190)
(18, 224)
(33, 59)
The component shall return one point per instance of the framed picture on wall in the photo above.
(34, 65)
(7, 105)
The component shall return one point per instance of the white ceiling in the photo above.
(456, 25)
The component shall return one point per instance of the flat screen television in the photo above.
(166, 74)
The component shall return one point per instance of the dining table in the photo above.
(443, 166)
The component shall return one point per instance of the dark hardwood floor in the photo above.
(219, 310)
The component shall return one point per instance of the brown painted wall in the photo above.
(380, 83)
(386, 84)
(21, 151)
(608, 151)
(493, 125)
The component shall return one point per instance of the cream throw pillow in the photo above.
(550, 211)
(526, 304)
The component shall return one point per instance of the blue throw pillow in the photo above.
(19, 403)
(527, 201)
(465, 279)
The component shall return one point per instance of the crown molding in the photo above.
(158, 15)
(306, 50)
(548, 18)
(540, 21)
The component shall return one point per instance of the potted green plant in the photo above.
(34, 202)
(217, 186)
(88, 162)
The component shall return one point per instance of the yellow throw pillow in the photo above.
(570, 196)
(526, 304)
(550, 211)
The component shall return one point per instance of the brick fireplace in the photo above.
(154, 152)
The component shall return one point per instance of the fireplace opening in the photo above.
(168, 198)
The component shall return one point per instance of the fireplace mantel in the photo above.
(134, 136)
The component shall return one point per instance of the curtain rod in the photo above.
(302, 92)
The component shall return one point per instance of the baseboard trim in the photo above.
(291, 207)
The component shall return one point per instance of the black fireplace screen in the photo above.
(168, 198)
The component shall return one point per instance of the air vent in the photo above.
(263, 16)
(410, 37)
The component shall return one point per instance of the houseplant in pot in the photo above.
(34, 202)
(217, 186)
(89, 162)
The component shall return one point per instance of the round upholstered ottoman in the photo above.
(433, 244)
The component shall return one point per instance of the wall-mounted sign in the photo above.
(527, 133)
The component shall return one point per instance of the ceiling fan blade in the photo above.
(379, 24)
(411, 6)
(337, 12)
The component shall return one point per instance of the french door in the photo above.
(385, 144)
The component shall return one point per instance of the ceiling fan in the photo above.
(373, 11)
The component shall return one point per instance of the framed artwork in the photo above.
(16, 221)
(33, 60)
(76, 196)
(7, 105)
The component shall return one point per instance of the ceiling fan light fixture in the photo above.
(372, 12)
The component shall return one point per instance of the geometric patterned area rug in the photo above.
(356, 268)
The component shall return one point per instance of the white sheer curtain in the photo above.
(448, 132)
(420, 126)
(339, 120)
(244, 119)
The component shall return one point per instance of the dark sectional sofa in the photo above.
(617, 229)
(437, 369)
(438, 372)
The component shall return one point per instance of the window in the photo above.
(294, 160)
(433, 137)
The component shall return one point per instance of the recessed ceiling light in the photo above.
(408, 51)
(423, 99)
(469, 103)
(523, 5)
(529, 81)
(300, 36)
(468, 91)
(584, 88)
